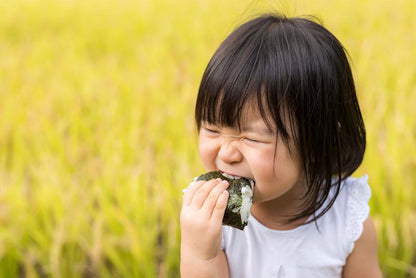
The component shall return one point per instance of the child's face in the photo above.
(252, 152)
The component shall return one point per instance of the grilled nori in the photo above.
(232, 216)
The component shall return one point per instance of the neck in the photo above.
(275, 216)
(275, 213)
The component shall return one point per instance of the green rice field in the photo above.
(97, 137)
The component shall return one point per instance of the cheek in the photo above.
(207, 154)
(262, 165)
(281, 168)
(288, 169)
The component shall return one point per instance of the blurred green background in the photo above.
(97, 136)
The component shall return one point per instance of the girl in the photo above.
(277, 105)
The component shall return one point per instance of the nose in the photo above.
(229, 152)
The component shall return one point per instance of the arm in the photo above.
(363, 261)
(222, 265)
(202, 212)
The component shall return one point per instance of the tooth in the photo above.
(229, 176)
(236, 177)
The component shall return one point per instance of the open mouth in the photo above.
(232, 177)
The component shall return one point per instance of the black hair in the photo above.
(298, 73)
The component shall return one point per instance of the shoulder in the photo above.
(363, 260)
(344, 221)
(357, 188)
(356, 194)
(361, 239)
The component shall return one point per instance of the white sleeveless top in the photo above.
(306, 251)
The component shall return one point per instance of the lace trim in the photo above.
(359, 194)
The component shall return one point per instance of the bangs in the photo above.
(243, 72)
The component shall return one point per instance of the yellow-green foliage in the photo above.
(97, 136)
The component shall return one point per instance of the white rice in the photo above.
(247, 201)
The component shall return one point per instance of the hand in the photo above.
(202, 212)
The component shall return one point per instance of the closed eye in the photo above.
(210, 130)
(251, 140)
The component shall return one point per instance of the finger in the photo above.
(201, 194)
(190, 192)
(219, 209)
(212, 198)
